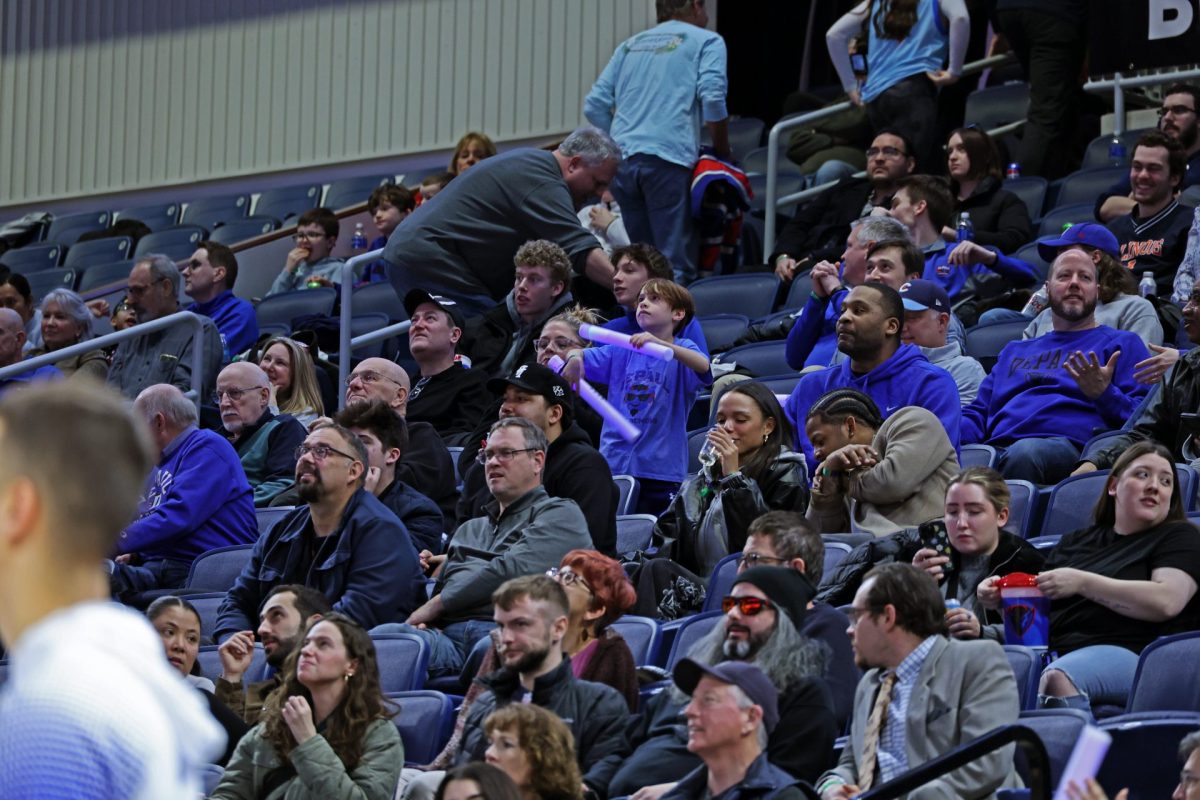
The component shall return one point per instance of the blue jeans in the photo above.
(1002, 315)
(1103, 673)
(1040, 461)
(655, 199)
(449, 646)
(128, 581)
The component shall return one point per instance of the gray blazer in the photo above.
(964, 690)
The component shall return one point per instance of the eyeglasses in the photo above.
(754, 559)
(194, 263)
(307, 235)
(856, 614)
(1177, 111)
(749, 606)
(137, 291)
(321, 452)
(368, 377)
(889, 152)
(568, 577)
(235, 393)
(504, 455)
(559, 342)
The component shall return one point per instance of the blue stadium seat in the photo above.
(1022, 508)
(348, 192)
(1096, 154)
(721, 581)
(722, 330)
(997, 105)
(1063, 511)
(283, 308)
(425, 722)
(67, 228)
(1026, 664)
(977, 455)
(104, 275)
(1143, 754)
(1051, 224)
(1165, 679)
(745, 134)
(751, 294)
(267, 517)
(627, 493)
(403, 661)
(98, 251)
(209, 212)
(175, 243)
(379, 298)
(835, 553)
(984, 342)
(688, 631)
(207, 604)
(156, 217)
(1030, 255)
(1031, 191)
(216, 570)
(287, 201)
(47, 279)
(1058, 728)
(695, 444)
(240, 230)
(799, 291)
(1085, 185)
(788, 183)
(362, 324)
(32, 258)
(634, 532)
(760, 358)
(209, 661)
(642, 636)
(755, 161)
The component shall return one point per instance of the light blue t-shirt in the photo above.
(658, 87)
(655, 396)
(923, 50)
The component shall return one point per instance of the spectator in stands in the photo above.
(976, 510)
(1045, 396)
(560, 335)
(1177, 120)
(343, 542)
(472, 148)
(385, 436)
(1116, 586)
(86, 679)
(658, 85)
(432, 184)
(265, 442)
(754, 471)
(332, 682)
(461, 247)
(166, 355)
(388, 206)
(123, 315)
(893, 374)
(477, 781)
(926, 323)
(310, 262)
(448, 393)
(654, 394)
(964, 690)
(764, 614)
(924, 203)
(1154, 235)
(177, 623)
(574, 469)
(208, 278)
(15, 293)
(1161, 418)
(525, 531)
(818, 229)
(734, 708)
(604, 220)
(294, 389)
(907, 47)
(66, 320)
(288, 610)
(196, 500)
(534, 748)
(999, 218)
(874, 476)
(12, 342)
(635, 265)
(502, 339)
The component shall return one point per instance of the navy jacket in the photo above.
(763, 780)
(420, 515)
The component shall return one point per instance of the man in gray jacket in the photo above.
(524, 531)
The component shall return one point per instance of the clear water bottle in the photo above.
(708, 455)
(1147, 286)
(359, 243)
(966, 230)
(1116, 151)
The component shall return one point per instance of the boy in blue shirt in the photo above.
(654, 395)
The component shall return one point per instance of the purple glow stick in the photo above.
(595, 333)
(1086, 758)
(625, 429)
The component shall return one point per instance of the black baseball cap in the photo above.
(539, 380)
(416, 297)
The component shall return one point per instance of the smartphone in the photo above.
(934, 537)
(858, 64)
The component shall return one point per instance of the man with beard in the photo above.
(284, 617)
(1045, 396)
(764, 614)
(343, 542)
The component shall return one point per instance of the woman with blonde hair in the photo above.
(536, 749)
(293, 379)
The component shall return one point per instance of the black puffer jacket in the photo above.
(999, 217)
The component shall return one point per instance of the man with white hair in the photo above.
(197, 499)
(12, 342)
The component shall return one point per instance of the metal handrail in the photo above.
(347, 291)
(137, 331)
(1119, 83)
(812, 116)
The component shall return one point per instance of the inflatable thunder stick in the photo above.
(625, 429)
(594, 333)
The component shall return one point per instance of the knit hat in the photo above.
(783, 586)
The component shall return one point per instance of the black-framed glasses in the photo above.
(194, 263)
(235, 393)
(321, 452)
(503, 455)
(749, 606)
(1177, 111)
(369, 376)
(755, 559)
(568, 577)
(889, 152)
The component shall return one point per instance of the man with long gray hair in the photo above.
(462, 246)
(764, 613)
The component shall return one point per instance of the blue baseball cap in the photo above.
(1091, 234)
(747, 677)
(922, 295)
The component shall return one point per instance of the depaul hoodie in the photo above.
(905, 379)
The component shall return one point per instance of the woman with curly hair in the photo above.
(477, 781)
(534, 748)
(325, 732)
(293, 378)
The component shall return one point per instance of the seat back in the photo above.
(240, 230)
(32, 258)
(209, 212)
(634, 532)
(1058, 728)
(105, 274)
(156, 217)
(799, 291)
(209, 661)
(977, 455)
(627, 493)
(379, 298)
(1165, 679)
(750, 294)
(1082, 492)
(759, 358)
(997, 105)
(347, 192)
(216, 570)
(789, 182)
(282, 309)
(1085, 185)
(1055, 218)
(207, 604)
(745, 134)
(403, 661)
(287, 201)
(984, 342)
(722, 330)
(66, 229)
(1097, 155)
(267, 517)
(175, 243)
(1026, 665)
(1030, 255)
(721, 581)
(361, 324)
(642, 636)
(1022, 507)
(47, 279)
(98, 251)
(835, 553)
(1143, 754)
(754, 161)
(1031, 191)
(691, 630)
(425, 722)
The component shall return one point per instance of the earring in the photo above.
(765, 437)
(346, 677)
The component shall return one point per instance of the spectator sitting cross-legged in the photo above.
(310, 262)
(66, 320)
(208, 278)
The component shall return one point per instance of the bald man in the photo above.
(12, 343)
(266, 443)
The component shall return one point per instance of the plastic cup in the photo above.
(1026, 611)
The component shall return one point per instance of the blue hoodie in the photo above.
(197, 499)
(953, 278)
(905, 379)
(1028, 394)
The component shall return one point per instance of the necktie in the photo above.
(878, 718)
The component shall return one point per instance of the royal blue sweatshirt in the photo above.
(953, 278)
(196, 499)
(1029, 393)
(234, 318)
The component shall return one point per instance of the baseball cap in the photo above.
(922, 295)
(1089, 233)
(747, 677)
(418, 296)
(539, 380)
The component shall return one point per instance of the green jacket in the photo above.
(319, 772)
